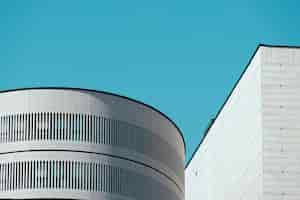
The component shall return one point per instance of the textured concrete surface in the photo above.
(252, 151)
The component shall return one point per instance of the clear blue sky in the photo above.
(182, 57)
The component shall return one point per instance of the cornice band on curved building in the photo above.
(103, 92)
(69, 129)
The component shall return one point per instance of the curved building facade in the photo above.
(64, 143)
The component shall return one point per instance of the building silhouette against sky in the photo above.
(68, 143)
(252, 149)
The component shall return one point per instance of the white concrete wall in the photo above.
(281, 127)
(253, 149)
(228, 163)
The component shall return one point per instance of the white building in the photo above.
(252, 150)
(64, 143)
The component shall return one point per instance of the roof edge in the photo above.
(232, 90)
(206, 132)
(279, 46)
(107, 93)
